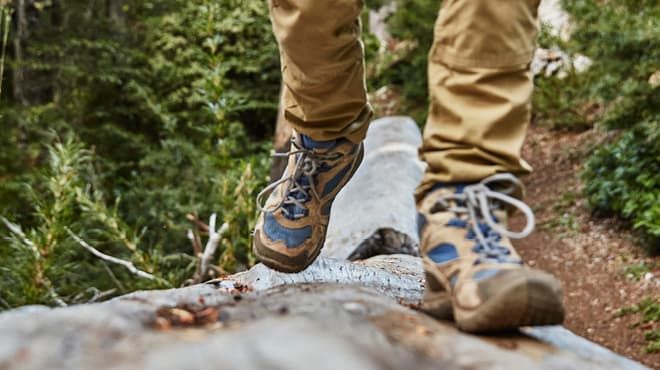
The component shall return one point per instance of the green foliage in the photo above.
(43, 264)
(637, 272)
(412, 24)
(649, 308)
(653, 337)
(5, 22)
(563, 103)
(564, 223)
(165, 108)
(622, 38)
(563, 98)
(623, 179)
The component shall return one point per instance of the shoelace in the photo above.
(477, 202)
(307, 167)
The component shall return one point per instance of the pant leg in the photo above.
(480, 88)
(322, 67)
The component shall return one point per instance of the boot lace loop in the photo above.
(300, 185)
(477, 202)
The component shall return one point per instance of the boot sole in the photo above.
(529, 299)
(292, 265)
(438, 305)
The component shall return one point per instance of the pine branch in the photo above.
(113, 277)
(18, 232)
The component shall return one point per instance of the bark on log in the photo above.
(303, 326)
(335, 315)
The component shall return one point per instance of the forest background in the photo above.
(128, 123)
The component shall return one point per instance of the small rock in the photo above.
(648, 276)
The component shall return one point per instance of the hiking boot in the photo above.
(473, 273)
(292, 225)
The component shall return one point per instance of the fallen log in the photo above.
(375, 213)
(300, 326)
(337, 314)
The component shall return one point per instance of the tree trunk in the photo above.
(117, 13)
(18, 67)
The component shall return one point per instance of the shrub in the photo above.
(623, 179)
(623, 39)
(412, 23)
(163, 111)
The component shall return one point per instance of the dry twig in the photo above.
(196, 243)
(129, 265)
(201, 225)
(211, 246)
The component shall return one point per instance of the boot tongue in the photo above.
(309, 143)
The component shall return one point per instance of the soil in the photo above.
(588, 254)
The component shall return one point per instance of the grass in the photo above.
(653, 337)
(649, 309)
(565, 220)
(637, 272)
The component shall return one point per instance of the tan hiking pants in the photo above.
(479, 81)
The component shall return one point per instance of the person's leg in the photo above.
(322, 60)
(324, 100)
(480, 88)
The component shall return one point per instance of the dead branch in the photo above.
(129, 265)
(196, 243)
(211, 246)
(96, 294)
(201, 225)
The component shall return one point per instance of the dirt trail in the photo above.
(587, 254)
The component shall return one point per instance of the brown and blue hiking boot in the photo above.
(292, 225)
(473, 274)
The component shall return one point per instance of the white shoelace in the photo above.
(478, 200)
(308, 166)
